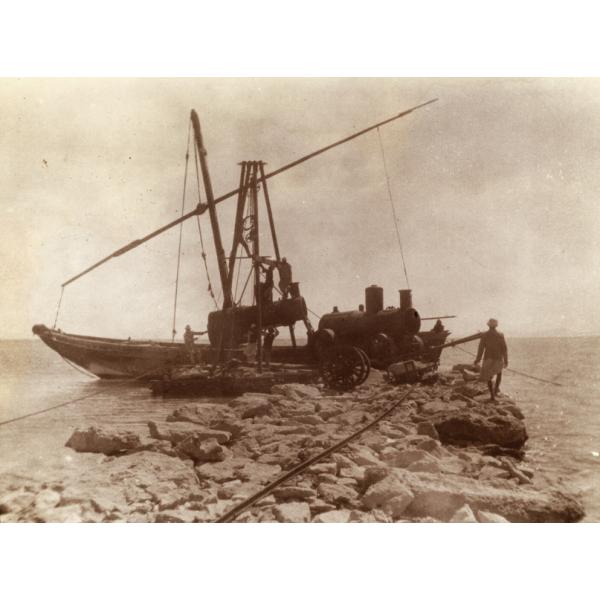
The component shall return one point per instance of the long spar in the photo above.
(201, 208)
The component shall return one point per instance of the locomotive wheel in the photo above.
(367, 363)
(344, 367)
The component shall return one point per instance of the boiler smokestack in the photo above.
(373, 299)
(405, 299)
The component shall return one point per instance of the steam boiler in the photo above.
(384, 335)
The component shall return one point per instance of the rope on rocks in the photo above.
(44, 410)
(237, 510)
(517, 372)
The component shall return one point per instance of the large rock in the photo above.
(404, 458)
(297, 391)
(127, 488)
(253, 405)
(333, 516)
(210, 415)
(103, 440)
(16, 501)
(426, 428)
(504, 431)
(177, 432)
(463, 515)
(439, 504)
(488, 517)
(390, 494)
(293, 492)
(292, 512)
(441, 495)
(202, 450)
(337, 494)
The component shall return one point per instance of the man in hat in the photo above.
(492, 347)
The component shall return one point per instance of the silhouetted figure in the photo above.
(270, 334)
(438, 327)
(285, 276)
(492, 347)
(250, 348)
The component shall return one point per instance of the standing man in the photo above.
(188, 339)
(492, 347)
(285, 276)
(250, 347)
(270, 334)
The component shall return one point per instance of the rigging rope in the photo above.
(210, 287)
(187, 159)
(72, 364)
(517, 372)
(387, 179)
(44, 410)
(62, 291)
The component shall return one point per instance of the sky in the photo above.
(495, 188)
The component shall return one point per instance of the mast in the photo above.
(212, 210)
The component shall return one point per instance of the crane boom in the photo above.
(201, 208)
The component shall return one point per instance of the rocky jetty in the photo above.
(445, 454)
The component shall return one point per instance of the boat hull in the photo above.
(113, 358)
(110, 358)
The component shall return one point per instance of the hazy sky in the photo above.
(495, 186)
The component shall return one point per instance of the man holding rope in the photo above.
(492, 347)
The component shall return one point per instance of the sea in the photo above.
(562, 411)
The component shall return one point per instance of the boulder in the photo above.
(355, 473)
(439, 504)
(333, 516)
(259, 472)
(462, 427)
(47, 499)
(337, 494)
(103, 440)
(331, 468)
(251, 405)
(202, 450)
(404, 458)
(291, 492)
(364, 457)
(297, 391)
(374, 474)
(436, 406)
(177, 432)
(488, 517)
(292, 512)
(390, 494)
(426, 428)
(211, 415)
(16, 501)
(425, 465)
(441, 495)
(463, 515)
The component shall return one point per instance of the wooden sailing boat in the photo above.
(345, 344)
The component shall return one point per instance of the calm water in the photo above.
(562, 421)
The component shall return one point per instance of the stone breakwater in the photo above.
(446, 454)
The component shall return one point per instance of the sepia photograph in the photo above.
(300, 300)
